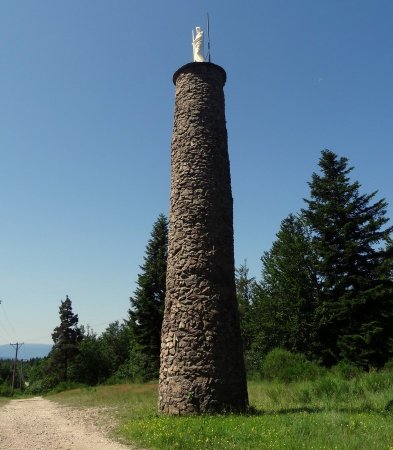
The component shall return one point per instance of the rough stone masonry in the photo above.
(202, 366)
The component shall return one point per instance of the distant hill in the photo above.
(27, 351)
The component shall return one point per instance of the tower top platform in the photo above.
(200, 67)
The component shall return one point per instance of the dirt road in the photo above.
(38, 424)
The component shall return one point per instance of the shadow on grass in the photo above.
(252, 411)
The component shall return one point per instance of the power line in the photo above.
(6, 318)
(4, 328)
(1, 336)
(34, 340)
(11, 327)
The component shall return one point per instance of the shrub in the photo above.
(41, 385)
(122, 375)
(5, 391)
(389, 365)
(346, 370)
(331, 387)
(67, 385)
(285, 366)
(377, 381)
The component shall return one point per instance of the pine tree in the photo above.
(354, 267)
(147, 305)
(285, 302)
(66, 338)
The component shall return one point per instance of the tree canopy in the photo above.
(66, 338)
(147, 305)
(326, 288)
(354, 264)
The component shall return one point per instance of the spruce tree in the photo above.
(66, 338)
(354, 266)
(286, 299)
(147, 305)
(245, 288)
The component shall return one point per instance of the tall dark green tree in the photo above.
(147, 305)
(66, 338)
(285, 302)
(354, 266)
(245, 287)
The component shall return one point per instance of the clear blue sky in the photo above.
(86, 110)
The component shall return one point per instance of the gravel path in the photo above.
(38, 424)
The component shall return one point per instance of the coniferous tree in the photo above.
(285, 301)
(245, 288)
(147, 305)
(66, 338)
(354, 267)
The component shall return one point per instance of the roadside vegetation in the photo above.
(340, 408)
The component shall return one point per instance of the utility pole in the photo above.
(17, 346)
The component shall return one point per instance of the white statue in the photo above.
(197, 45)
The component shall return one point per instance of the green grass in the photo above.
(329, 413)
(293, 430)
(126, 401)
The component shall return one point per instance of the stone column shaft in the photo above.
(202, 366)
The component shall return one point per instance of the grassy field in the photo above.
(329, 413)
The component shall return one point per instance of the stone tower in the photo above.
(202, 366)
